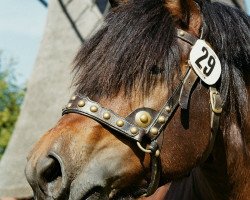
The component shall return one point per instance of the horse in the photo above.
(160, 109)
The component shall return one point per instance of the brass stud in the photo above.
(144, 118)
(134, 130)
(81, 103)
(93, 109)
(157, 153)
(154, 131)
(168, 108)
(161, 119)
(106, 115)
(73, 98)
(120, 123)
(69, 105)
(182, 33)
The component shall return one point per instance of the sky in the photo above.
(248, 5)
(22, 24)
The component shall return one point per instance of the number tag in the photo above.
(205, 62)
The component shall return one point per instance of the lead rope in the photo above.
(154, 152)
(155, 168)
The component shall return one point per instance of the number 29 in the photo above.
(210, 62)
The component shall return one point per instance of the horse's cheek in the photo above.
(184, 149)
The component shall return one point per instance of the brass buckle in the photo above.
(215, 99)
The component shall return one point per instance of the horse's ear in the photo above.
(115, 3)
(185, 12)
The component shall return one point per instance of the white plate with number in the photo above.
(205, 62)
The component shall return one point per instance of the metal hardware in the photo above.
(182, 33)
(157, 153)
(215, 99)
(143, 149)
(93, 109)
(154, 131)
(73, 98)
(69, 105)
(81, 103)
(143, 119)
(151, 149)
(120, 123)
(168, 108)
(134, 130)
(162, 119)
(107, 115)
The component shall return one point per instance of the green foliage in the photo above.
(11, 97)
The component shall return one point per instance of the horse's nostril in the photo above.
(50, 176)
(52, 170)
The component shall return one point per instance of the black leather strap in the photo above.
(98, 115)
(187, 86)
(187, 37)
(168, 109)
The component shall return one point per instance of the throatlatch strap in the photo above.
(216, 110)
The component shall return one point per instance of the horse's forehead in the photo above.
(124, 103)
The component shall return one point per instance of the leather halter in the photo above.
(156, 121)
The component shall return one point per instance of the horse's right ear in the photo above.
(115, 3)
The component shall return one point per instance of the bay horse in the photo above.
(161, 100)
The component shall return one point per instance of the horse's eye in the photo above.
(155, 70)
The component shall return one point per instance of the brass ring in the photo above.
(143, 149)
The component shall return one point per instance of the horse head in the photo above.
(140, 116)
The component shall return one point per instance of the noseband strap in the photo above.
(129, 126)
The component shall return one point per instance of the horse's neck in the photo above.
(224, 176)
(197, 187)
(206, 182)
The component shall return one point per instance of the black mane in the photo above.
(139, 38)
(229, 35)
(136, 40)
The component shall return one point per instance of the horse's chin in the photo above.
(99, 193)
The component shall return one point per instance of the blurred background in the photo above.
(38, 41)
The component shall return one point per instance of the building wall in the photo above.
(47, 91)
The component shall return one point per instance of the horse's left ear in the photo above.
(185, 12)
(115, 3)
